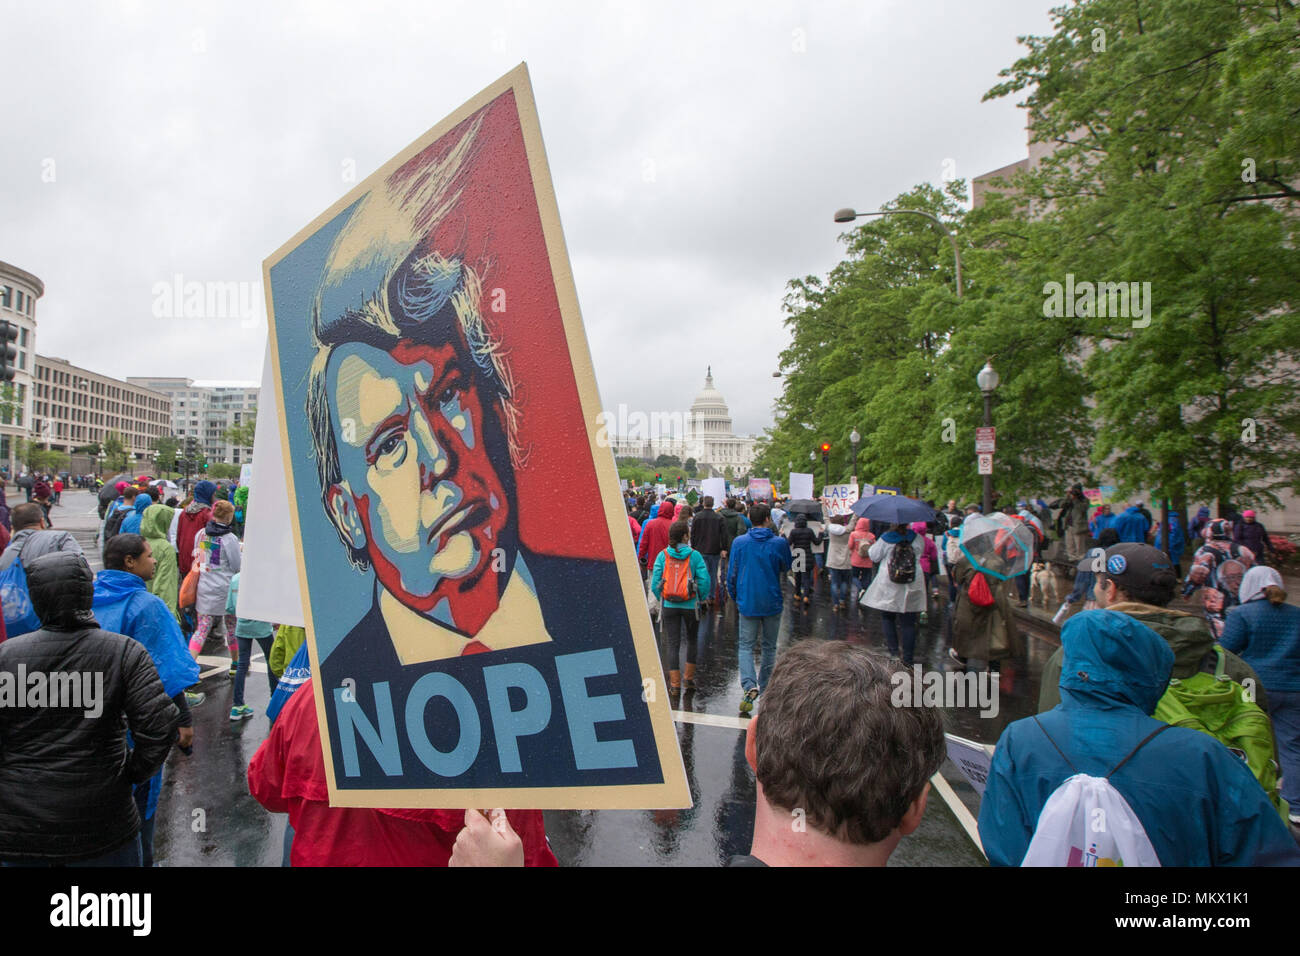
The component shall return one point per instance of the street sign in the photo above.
(986, 463)
(985, 440)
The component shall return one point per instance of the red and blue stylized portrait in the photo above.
(474, 629)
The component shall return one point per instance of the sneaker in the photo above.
(194, 698)
(924, 617)
(234, 666)
(242, 712)
(747, 702)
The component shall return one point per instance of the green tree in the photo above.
(165, 448)
(241, 435)
(116, 452)
(691, 466)
(667, 462)
(1177, 160)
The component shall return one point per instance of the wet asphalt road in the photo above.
(206, 816)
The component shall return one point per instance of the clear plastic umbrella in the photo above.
(997, 544)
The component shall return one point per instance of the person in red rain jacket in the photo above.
(287, 775)
(191, 522)
(654, 534)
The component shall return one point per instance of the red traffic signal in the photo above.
(826, 450)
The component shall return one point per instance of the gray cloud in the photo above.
(698, 152)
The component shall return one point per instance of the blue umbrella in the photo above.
(895, 509)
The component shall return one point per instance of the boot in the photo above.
(688, 675)
(674, 682)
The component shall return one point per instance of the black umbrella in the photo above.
(109, 491)
(805, 506)
(896, 509)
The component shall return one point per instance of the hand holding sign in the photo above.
(486, 842)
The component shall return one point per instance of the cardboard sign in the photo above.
(840, 498)
(246, 471)
(715, 488)
(661, 490)
(801, 485)
(760, 489)
(269, 588)
(435, 390)
(972, 759)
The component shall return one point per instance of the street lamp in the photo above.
(988, 380)
(854, 438)
(100, 458)
(848, 215)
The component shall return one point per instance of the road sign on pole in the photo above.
(985, 463)
(985, 441)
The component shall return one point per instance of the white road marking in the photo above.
(958, 809)
(220, 665)
(712, 720)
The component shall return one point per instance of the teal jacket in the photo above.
(697, 568)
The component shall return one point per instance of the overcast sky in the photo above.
(698, 151)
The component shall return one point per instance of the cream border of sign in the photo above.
(673, 793)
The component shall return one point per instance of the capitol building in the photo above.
(704, 434)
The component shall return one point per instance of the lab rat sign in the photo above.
(470, 646)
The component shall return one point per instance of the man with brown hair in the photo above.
(842, 774)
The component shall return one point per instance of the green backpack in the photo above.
(1217, 705)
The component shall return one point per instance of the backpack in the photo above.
(902, 563)
(1217, 705)
(19, 615)
(114, 523)
(679, 579)
(1087, 822)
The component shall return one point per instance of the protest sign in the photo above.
(760, 489)
(801, 485)
(840, 498)
(715, 488)
(972, 759)
(435, 389)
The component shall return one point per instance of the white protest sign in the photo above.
(972, 759)
(715, 488)
(268, 581)
(801, 486)
(840, 498)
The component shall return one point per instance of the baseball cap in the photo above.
(1248, 513)
(1129, 565)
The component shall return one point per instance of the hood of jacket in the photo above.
(215, 530)
(142, 503)
(893, 537)
(667, 510)
(62, 589)
(1189, 636)
(156, 521)
(863, 525)
(761, 534)
(1113, 660)
(679, 551)
(203, 492)
(115, 585)
(654, 511)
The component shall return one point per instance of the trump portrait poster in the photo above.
(478, 634)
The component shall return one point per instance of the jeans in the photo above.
(128, 854)
(1083, 584)
(1284, 709)
(841, 581)
(241, 669)
(900, 624)
(711, 564)
(141, 795)
(749, 628)
(802, 583)
(677, 626)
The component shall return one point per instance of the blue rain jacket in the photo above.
(1199, 804)
(755, 564)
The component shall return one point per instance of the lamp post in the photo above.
(987, 379)
(848, 215)
(854, 438)
(100, 458)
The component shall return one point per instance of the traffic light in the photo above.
(658, 478)
(8, 353)
(826, 451)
